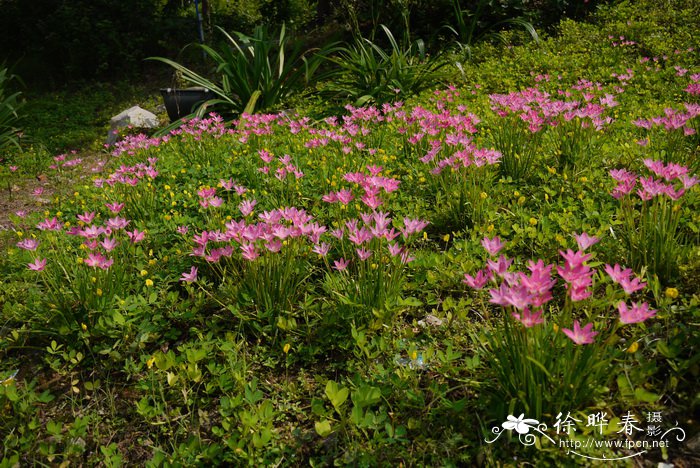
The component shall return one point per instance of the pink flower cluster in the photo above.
(672, 119)
(372, 185)
(694, 88)
(97, 239)
(528, 292)
(651, 187)
(285, 166)
(539, 110)
(273, 228)
(378, 225)
(130, 175)
(207, 198)
(213, 125)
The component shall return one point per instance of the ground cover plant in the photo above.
(399, 284)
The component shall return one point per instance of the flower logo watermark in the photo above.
(650, 433)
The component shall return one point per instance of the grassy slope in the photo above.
(105, 416)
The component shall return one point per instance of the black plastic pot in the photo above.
(182, 102)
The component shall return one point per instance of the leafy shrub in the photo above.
(9, 104)
(256, 72)
(468, 26)
(368, 73)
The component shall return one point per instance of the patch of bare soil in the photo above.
(25, 195)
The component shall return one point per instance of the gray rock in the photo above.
(134, 116)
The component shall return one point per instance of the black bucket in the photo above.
(182, 102)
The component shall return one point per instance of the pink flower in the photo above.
(190, 277)
(479, 280)
(226, 185)
(274, 245)
(94, 260)
(182, 230)
(91, 232)
(246, 207)
(117, 223)
(500, 296)
(572, 259)
(500, 266)
(340, 264)
(584, 240)
(135, 236)
(108, 244)
(90, 244)
(631, 285)
(49, 225)
(344, 196)
(622, 175)
(395, 249)
(579, 293)
(249, 252)
(406, 258)
(623, 188)
(321, 249)
(206, 192)
(579, 335)
(28, 244)
(113, 207)
(635, 313)
(518, 296)
(413, 225)
(617, 274)
(38, 265)
(688, 181)
(371, 200)
(266, 156)
(492, 246)
(330, 197)
(528, 318)
(86, 217)
(363, 253)
(216, 202)
(360, 236)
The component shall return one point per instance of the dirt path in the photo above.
(24, 195)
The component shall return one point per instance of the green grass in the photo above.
(292, 363)
(78, 118)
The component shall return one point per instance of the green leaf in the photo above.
(624, 386)
(54, 427)
(323, 428)
(336, 394)
(118, 318)
(645, 396)
(366, 396)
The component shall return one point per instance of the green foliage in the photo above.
(10, 103)
(467, 26)
(257, 72)
(183, 351)
(538, 371)
(367, 73)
